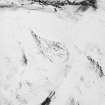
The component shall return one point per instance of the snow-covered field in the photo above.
(75, 79)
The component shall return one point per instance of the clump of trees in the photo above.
(81, 5)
